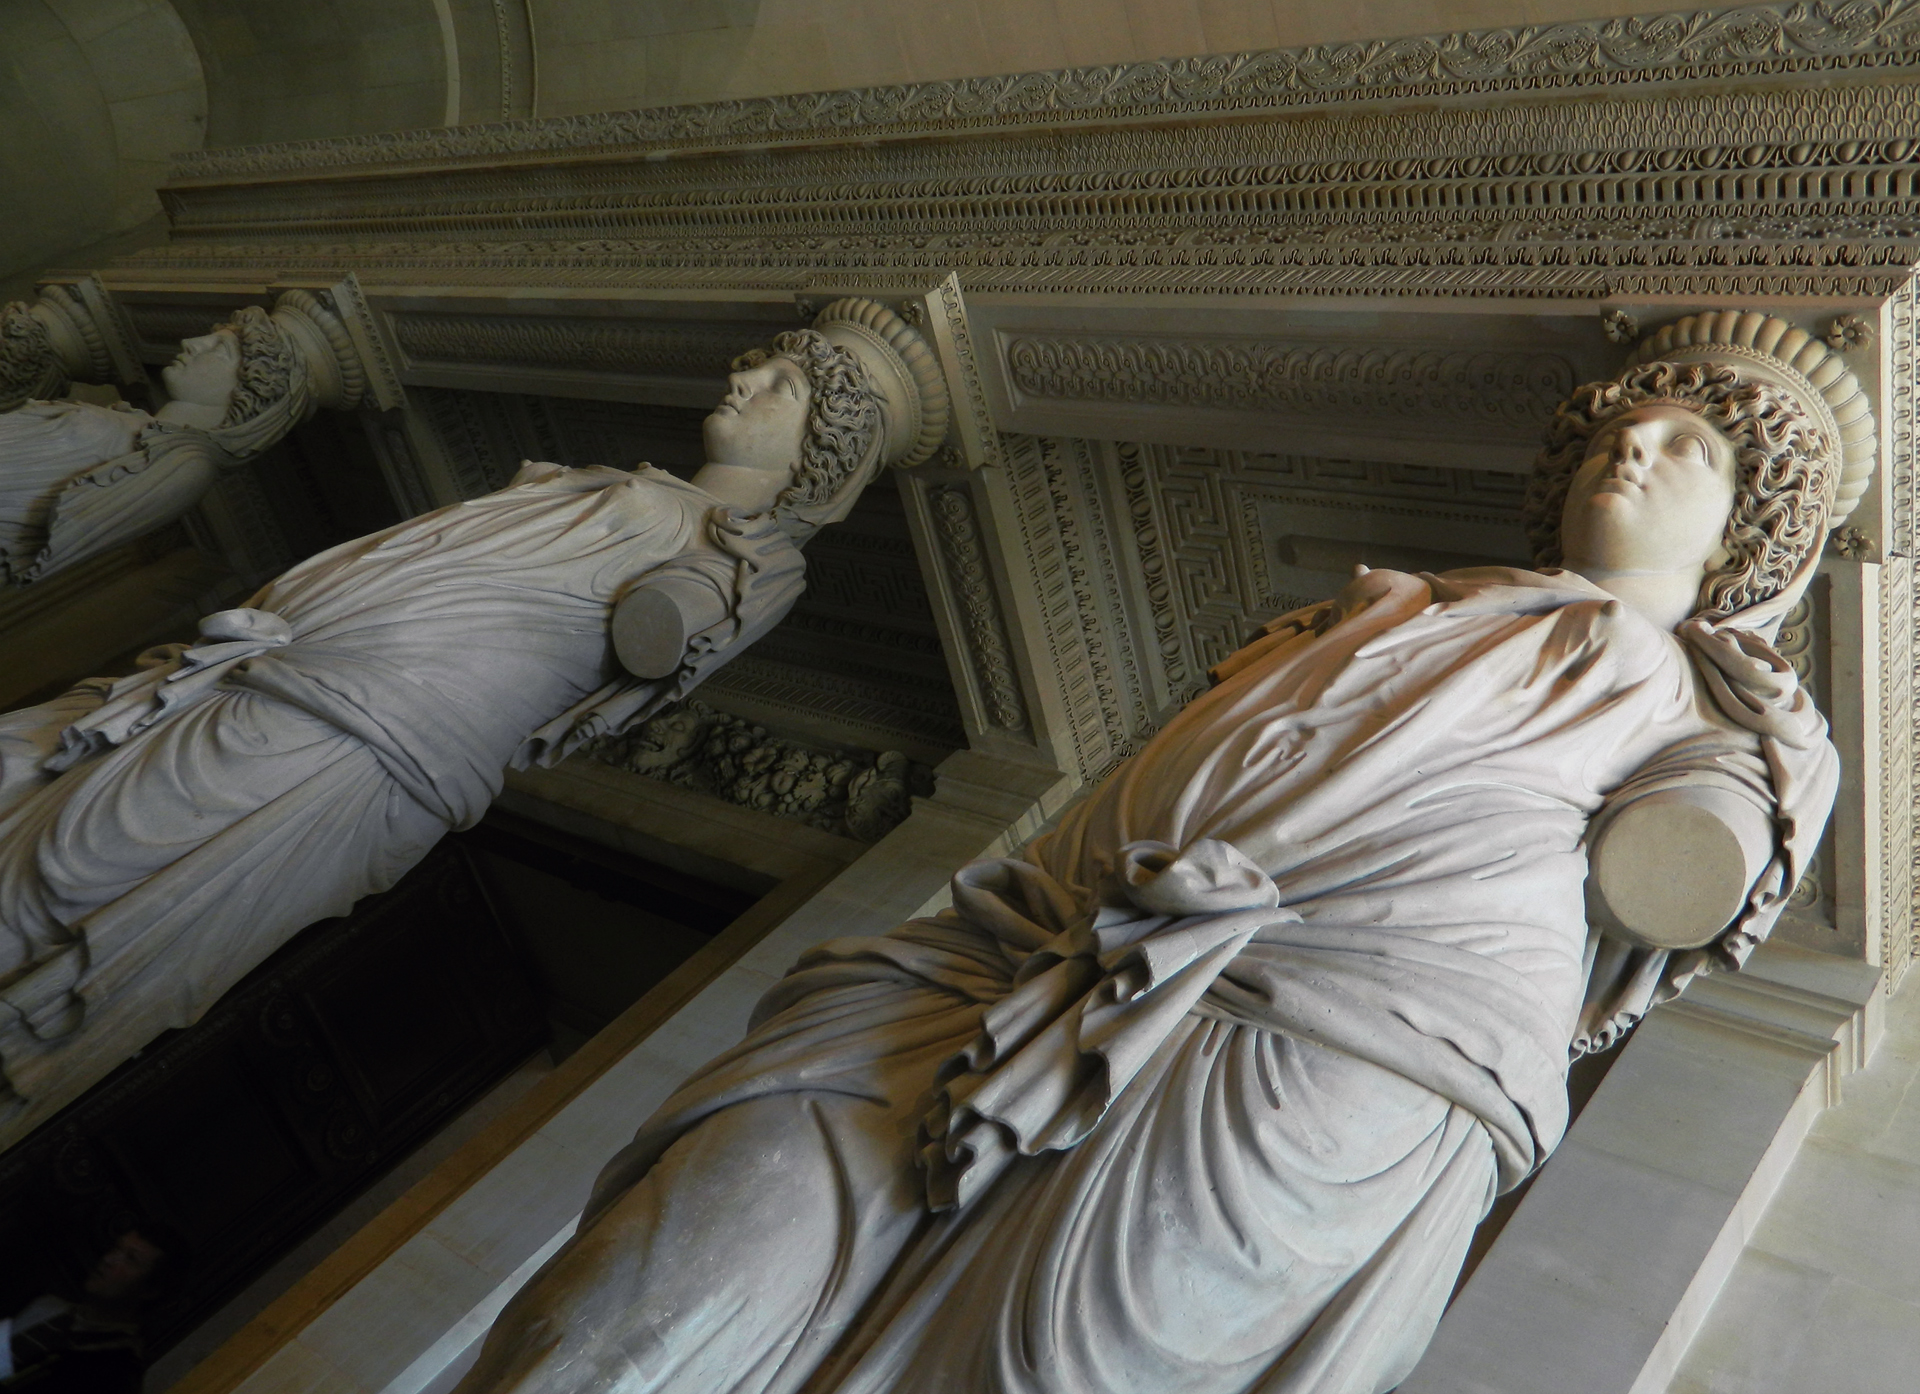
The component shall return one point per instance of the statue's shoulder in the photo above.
(547, 477)
(79, 432)
(566, 478)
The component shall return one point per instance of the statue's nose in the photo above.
(1628, 451)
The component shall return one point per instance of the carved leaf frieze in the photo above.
(1686, 44)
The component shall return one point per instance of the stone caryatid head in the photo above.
(233, 392)
(807, 423)
(1749, 440)
(49, 344)
(819, 411)
(248, 382)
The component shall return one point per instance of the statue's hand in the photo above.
(1673, 869)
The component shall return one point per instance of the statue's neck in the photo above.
(196, 414)
(1662, 598)
(749, 490)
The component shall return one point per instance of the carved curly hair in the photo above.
(29, 368)
(1783, 482)
(843, 414)
(266, 364)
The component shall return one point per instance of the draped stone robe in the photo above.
(162, 834)
(1206, 1091)
(44, 448)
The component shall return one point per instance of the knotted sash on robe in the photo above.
(1091, 1001)
(1414, 768)
(1098, 987)
(438, 759)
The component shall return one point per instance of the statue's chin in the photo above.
(183, 411)
(716, 436)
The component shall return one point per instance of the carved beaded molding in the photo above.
(1679, 46)
(966, 562)
(1603, 168)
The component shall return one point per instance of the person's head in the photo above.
(1673, 466)
(135, 1266)
(802, 408)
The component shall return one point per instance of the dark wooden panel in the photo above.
(328, 1064)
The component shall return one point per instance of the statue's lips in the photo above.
(1616, 485)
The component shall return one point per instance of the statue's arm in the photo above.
(655, 622)
(1674, 868)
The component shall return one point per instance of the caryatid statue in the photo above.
(78, 479)
(68, 334)
(1207, 1089)
(162, 834)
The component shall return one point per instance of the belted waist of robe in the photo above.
(421, 742)
(1096, 990)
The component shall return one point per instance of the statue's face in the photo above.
(207, 370)
(1653, 494)
(762, 424)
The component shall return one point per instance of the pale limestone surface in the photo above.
(1012, 1253)
(1083, 1130)
(607, 55)
(1826, 1293)
(94, 99)
(513, 1227)
(157, 834)
(77, 480)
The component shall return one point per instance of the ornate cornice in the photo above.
(696, 350)
(1680, 46)
(1487, 388)
(1770, 190)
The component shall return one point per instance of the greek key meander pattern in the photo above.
(1703, 44)
(1501, 389)
(1200, 534)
